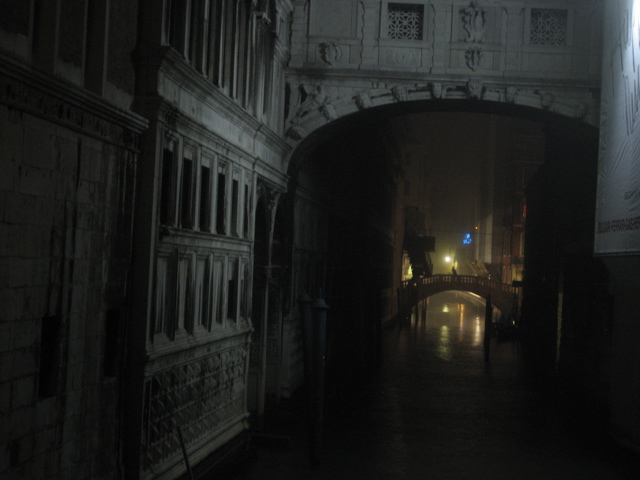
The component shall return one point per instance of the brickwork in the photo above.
(66, 202)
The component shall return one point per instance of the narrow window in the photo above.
(178, 25)
(186, 197)
(203, 293)
(216, 42)
(185, 295)
(234, 207)
(49, 356)
(230, 52)
(232, 293)
(217, 307)
(221, 203)
(166, 190)
(247, 210)
(205, 199)
(111, 342)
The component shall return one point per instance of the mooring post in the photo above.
(488, 314)
(314, 321)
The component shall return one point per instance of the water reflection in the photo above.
(456, 317)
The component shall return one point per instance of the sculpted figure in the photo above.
(399, 93)
(363, 100)
(313, 102)
(474, 89)
(473, 18)
(330, 53)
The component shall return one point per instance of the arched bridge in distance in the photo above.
(503, 296)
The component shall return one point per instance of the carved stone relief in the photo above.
(318, 100)
(511, 94)
(473, 18)
(363, 100)
(474, 89)
(399, 93)
(438, 90)
(330, 53)
(546, 100)
(474, 57)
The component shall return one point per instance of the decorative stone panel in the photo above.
(201, 397)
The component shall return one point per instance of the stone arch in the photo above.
(322, 110)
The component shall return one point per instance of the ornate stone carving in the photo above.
(474, 57)
(511, 94)
(473, 18)
(330, 53)
(329, 111)
(438, 90)
(474, 89)
(296, 132)
(399, 93)
(318, 101)
(363, 100)
(546, 100)
(200, 396)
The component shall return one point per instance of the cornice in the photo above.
(172, 65)
(25, 88)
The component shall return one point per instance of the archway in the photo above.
(354, 171)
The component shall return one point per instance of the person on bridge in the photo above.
(454, 272)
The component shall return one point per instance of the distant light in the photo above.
(467, 239)
(447, 259)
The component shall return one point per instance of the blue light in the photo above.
(467, 239)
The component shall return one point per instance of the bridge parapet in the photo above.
(503, 296)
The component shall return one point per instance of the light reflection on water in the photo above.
(457, 320)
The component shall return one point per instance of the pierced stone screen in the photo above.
(548, 26)
(405, 21)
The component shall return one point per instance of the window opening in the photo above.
(549, 26)
(217, 290)
(232, 299)
(177, 26)
(186, 203)
(204, 292)
(221, 202)
(111, 337)
(405, 21)
(166, 189)
(245, 222)
(50, 331)
(234, 206)
(205, 199)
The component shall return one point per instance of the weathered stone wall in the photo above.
(67, 193)
(66, 199)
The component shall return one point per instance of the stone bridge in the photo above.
(504, 297)
(348, 57)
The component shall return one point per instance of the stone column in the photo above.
(271, 196)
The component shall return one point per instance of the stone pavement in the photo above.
(435, 410)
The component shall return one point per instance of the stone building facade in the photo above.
(175, 178)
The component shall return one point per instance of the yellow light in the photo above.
(447, 259)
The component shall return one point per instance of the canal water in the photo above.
(437, 410)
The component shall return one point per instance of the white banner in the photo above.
(617, 229)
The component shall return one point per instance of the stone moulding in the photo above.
(68, 106)
(578, 104)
